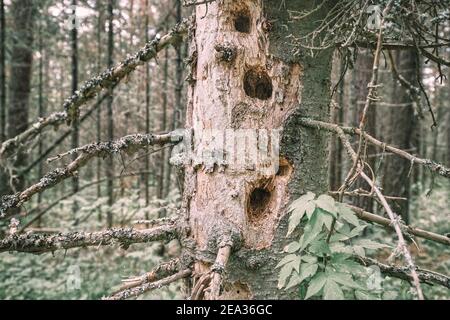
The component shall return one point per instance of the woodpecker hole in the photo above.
(284, 168)
(242, 21)
(257, 84)
(258, 203)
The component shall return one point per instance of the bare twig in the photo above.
(425, 276)
(162, 271)
(406, 229)
(137, 291)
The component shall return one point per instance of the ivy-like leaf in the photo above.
(327, 203)
(306, 271)
(327, 219)
(299, 204)
(369, 244)
(320, 248)
(339, 247)
(286, 259)
(348, 215)
(309, 259)
(315, 285)
(356, 231)
(292, 247)
(361, 295)
(312, 230)
(345, 279)
(299, 208)
(285, 272)
(310, 209)
(332, 291)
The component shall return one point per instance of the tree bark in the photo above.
(75, 123)
(245, 75)
(23, 15)
(110, 115)
(400, 132)
(2, 73)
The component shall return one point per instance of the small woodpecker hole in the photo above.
(257, 84)
(258, 203)
(284, 168)
(242, 22)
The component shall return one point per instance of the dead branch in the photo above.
(425, 276)
(35, 243)
(406, 229)
(120, 71)
(8, 147)
(129, 144)
(162, 271)
(435, 167)
(137, 291)
(217, 271)
(106, 80)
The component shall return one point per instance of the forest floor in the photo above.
(93, 273)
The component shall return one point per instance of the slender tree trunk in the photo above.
(75, 123)
(400, 131)
(147, 113)
(110, 116)
(163, 170)
(245, 75)
(2, 73)
(23, 15)
(41, 106)
(177, 113)
(100, 29)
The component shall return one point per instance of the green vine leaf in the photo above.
(315, 285)
(369, 244)
(306, 271)
(348, 215)
(287, 270)
(292, 247)
(286, 259)
(327, 203)
(298, 208)
(332, 291)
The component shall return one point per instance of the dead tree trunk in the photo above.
(245, 76)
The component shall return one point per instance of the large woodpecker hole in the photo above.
(257, 84)
(258, 203)
(242, 21)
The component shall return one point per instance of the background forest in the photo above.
(44, 59)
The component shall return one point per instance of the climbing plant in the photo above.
(323, 262)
